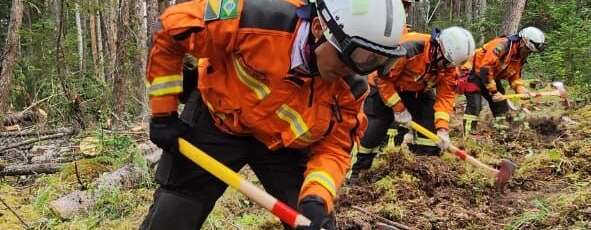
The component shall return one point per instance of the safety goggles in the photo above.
(536, 47)
(359, 54)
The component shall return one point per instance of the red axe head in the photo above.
(506, 170)
(559, 86)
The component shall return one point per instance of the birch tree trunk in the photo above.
(10, 49)
(513, 16)
(143, 57)
(99, 46)
(468, 9)
(80, 39)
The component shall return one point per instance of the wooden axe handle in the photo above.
(456, 151)
(225, 174)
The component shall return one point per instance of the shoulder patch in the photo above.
(212, 9)
(221, 9)
(501, 48)
(229, 9)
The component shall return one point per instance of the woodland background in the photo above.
(74, 151)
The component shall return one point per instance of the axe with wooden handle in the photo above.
(501, 175)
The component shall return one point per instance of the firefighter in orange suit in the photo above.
(406, 94)
(501, 58)
(282, 92)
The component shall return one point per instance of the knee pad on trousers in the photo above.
(174, 211)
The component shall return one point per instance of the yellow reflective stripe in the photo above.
(166, 79)
(296, 122)
(164, 85)
(363, 150)
(393, 100)
(442, 116)
(260, 89)
(324, 179)
(424, 141)
(470, 117)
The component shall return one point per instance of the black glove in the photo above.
(313, 207)
(165, 131)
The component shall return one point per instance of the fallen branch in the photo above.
(15, 214)
(34, 140)
(382, 219)
(66, 130)
(128, 176)
(30, 169)
(18, 118)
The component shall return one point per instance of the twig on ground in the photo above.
(15, 214)
(36, 133)
(381, 219)
(82, 186)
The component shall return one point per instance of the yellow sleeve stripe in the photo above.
(393, 100)
(324, 179)
(442, 116)
(165, 85)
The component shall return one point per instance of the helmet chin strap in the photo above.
(314, 44)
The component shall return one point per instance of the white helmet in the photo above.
(374, 26)
(533, 38)
(457, 44)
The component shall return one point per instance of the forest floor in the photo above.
(551, 189)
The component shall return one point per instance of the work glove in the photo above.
(404, 118)
(496, 97)
(313, 207)
(165, 131)
(409, 137)
(444, 140)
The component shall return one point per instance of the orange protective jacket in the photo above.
(410, 74)
(502, 60)
(248, 89)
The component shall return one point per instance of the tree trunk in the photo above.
(481, 8)
(111, 27)
(10, 49)
(80, 39)
(93, 44)
(99, 46)
(513, 16)
(63, 71)
(143, 58)
(468, 10)
(120, 94)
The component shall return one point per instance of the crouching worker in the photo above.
(420, 87)
(501, 58)
(283, 93)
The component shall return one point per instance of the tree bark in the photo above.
(80, 38)
(143, 58)
(99, 45)
(513, 16)
(10, 49)
(121, 71)
(469, 10)
(481, 8)
(94, 43)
